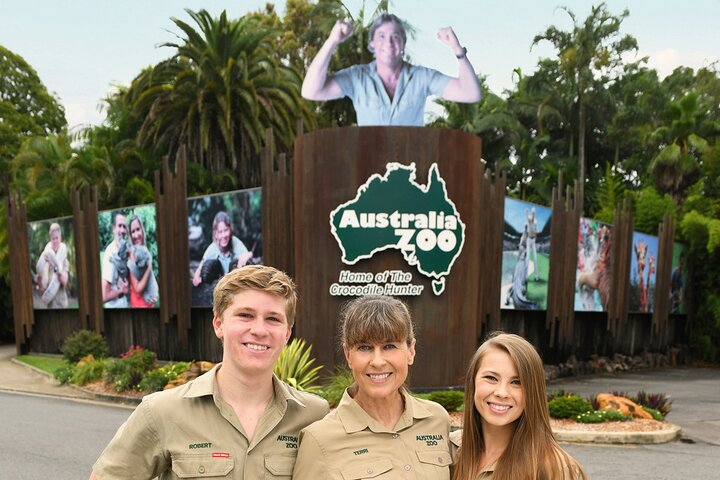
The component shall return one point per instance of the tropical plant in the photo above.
(216, 96)
(155, 380)
(654, 401)
(47, 170)
(588, 56)
(335, 385)
(295, 366)
(88, 370)
(126, 372)
(677, 165)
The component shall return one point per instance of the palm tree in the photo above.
(677, 165)
(47, 170)
(587, 58)
(218, 94)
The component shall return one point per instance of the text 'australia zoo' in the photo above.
(392, 211)
(412, 229)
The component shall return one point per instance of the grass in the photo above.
(46, 364)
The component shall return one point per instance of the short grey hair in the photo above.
(382, 19)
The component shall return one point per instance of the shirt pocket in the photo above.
(372, 468)
(436, 461)
(202, 466)
(279, 466)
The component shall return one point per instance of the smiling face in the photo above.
(55, 239)
(254, 329)
(387, 44)
(499, 396)
(380, 369)
(120, 227)
(223, 234)
(136, 232)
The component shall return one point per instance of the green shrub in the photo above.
(64, 373)
(126, 372)
(451, 400)
(335, 385)
(559, 392)
(83, 343)
(155, 380)
(655, 413)
(88, 370)
(599, 416)
(569, 406)
(295, 366)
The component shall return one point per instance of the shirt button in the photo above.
(407, 467)
(201, 469)
(440, 459)
(370, 471)
(395, 435)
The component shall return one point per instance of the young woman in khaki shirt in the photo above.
(507, 435)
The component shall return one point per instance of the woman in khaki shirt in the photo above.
(378, 429)
(507, 435)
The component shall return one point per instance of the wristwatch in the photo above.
(461, 55)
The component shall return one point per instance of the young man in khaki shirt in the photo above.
(238, 420)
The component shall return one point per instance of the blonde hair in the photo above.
(54, 227)
(532, 453)
(255, 277)
(375, 319)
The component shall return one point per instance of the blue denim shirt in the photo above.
(373, 106)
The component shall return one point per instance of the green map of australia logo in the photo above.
(392, 211)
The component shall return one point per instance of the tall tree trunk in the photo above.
(581, 155)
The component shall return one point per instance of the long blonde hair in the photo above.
(532, 453)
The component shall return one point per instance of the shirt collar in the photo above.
(355, 419)
(203, 385)
(206, 384)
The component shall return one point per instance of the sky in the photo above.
(83, 49)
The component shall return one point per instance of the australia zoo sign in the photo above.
(392, 211)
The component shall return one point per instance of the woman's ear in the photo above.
(411, 352)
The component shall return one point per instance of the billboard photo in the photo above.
(52, 263)
(678, 277)
(592, 281)
(643, 272)
(526, 256)
(224, 232)
(129, 257)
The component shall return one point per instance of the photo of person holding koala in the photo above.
(128, 263)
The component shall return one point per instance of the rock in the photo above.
(621, 404)
(194, 370)
(551, 372)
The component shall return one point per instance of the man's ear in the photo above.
(289, 332)
(217, 326)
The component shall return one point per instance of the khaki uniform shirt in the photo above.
(191, 432)
(349, 444)
(456, 442)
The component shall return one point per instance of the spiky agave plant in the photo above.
(295, 366)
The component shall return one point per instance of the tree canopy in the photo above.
(586, 111)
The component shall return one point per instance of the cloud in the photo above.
(78, 114)
(666, 60)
